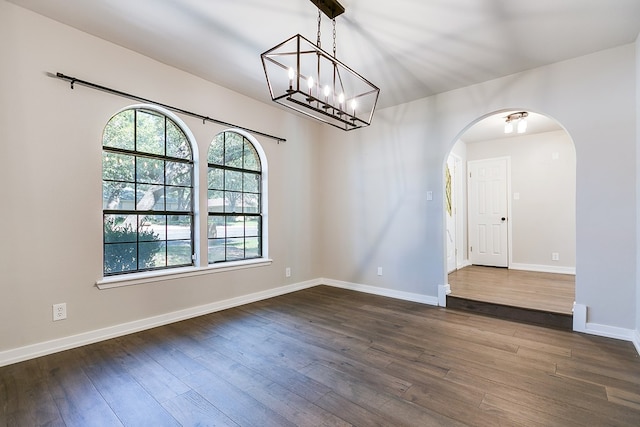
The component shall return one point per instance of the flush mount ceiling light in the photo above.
(519, 118)
(302, 76)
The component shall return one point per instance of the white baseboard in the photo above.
(543, 268)
(20, 354)
(32, 351)
(407, 296)
(612, 332)
(580, 324)
(463, 264)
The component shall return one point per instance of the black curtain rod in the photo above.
(74, 81)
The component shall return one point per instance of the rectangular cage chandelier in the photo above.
(302, 76)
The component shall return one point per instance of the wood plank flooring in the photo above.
(527, 289)
(331, 357)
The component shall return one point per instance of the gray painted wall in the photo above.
(51, 169)
(374, 191)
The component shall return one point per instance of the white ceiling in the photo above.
(409, 48)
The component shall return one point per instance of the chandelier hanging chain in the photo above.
(319, 43)
(319, 40)
(334, 37)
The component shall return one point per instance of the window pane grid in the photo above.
(149, 245)
(234, 199)
(230, 241)
(148, 208)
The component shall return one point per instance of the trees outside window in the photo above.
(147, 193)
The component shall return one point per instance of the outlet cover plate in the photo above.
(59, 311)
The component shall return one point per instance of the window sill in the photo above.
(178, 273)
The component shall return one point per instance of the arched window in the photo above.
(147, 193)
(235, 199)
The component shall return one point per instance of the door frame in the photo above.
(508, 201)
(458, 199)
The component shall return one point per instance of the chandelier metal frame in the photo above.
(304, 77)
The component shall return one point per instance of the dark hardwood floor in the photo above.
(325, 357)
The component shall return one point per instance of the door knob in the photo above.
(504, 219)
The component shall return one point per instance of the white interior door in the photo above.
(488, 230)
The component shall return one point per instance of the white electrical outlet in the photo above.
(287, 271)
(59, 311)
(555, 256)
(379, 271)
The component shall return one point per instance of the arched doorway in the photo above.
(512, 194)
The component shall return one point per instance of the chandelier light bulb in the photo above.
(341, 99)
(354, 104)
(327, 91)
(292, 74)
(310, 85)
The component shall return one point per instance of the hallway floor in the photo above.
(527, 289)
